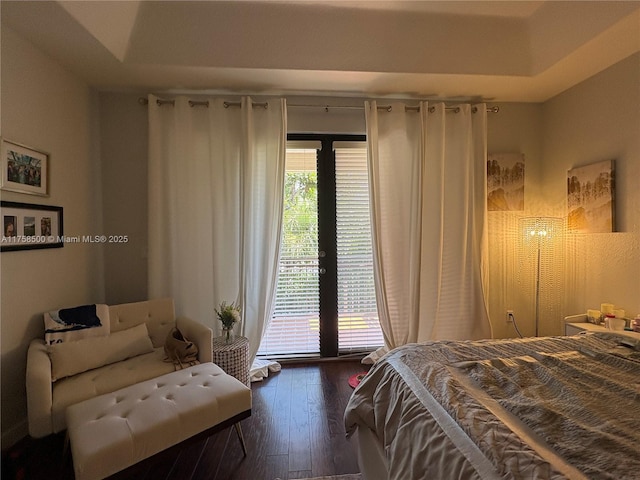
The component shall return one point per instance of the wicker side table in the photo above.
(233, 357)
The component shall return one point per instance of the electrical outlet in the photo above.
(509, 316)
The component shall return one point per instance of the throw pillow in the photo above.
(180, 350)
(71, 358)
(68, 324)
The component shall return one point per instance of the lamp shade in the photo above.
(540, 231)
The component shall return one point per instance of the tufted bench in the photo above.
(113, 431)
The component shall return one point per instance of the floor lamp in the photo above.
(541, 242)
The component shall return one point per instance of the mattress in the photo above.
(534, 408)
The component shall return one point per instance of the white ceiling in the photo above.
(497, 50)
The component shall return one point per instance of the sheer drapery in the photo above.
(428, 202)
(216, 178)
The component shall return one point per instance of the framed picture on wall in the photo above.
(28, 227)
(590, 198)
(505, 182)
(23, 169)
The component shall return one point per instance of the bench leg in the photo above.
(240, 437)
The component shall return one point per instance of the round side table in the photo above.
(233, 357)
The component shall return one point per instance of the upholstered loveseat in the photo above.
(100, 367)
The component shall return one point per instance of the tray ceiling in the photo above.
(497, 50)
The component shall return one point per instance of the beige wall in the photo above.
(598, 120)
(46, 107)
(123, 150)
(516, 129)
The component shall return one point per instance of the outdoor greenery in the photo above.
(300, 214)
(299, 255)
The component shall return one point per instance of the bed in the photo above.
(533, 408)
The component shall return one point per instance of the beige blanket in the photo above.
(546, 408)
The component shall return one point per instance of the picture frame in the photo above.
(23, 169)
(591, 198)
(505, 181)
(28, 226)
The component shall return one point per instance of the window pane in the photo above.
(358, 325)
(294, 327)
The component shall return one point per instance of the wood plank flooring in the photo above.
(295, 431)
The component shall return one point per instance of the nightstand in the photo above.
(576, 327)
(233, 357)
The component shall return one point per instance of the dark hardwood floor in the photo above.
(295, 431)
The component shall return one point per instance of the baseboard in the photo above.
(13, 435)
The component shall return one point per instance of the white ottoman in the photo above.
(116, 430)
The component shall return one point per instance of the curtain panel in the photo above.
(427, 174)
(216, 176)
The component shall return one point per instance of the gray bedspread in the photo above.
(536, 408)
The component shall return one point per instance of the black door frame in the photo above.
(326, 168)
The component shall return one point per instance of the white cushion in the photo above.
(70, 358)
(113, 431)
(103, 380)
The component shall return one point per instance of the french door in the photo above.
(325, 297)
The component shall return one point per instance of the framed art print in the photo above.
(505, 182)
(28, 227)
(590, 198)
(24, 169)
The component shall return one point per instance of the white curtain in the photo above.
(216, 177)
(428, 205)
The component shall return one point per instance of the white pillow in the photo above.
(70, 324)
(70, 358)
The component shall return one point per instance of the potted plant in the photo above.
(229, 315)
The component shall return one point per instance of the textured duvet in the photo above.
(538, 408)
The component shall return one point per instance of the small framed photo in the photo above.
(24, 169)
(28, 227)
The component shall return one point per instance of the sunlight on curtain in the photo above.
(428, 200)
(215, 207)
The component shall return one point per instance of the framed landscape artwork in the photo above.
(505, 182)
(590, 198)
(24, 169)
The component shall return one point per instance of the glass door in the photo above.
(325, 298)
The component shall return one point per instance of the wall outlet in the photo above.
(509, 316)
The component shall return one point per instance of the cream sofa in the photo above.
(47, 400)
